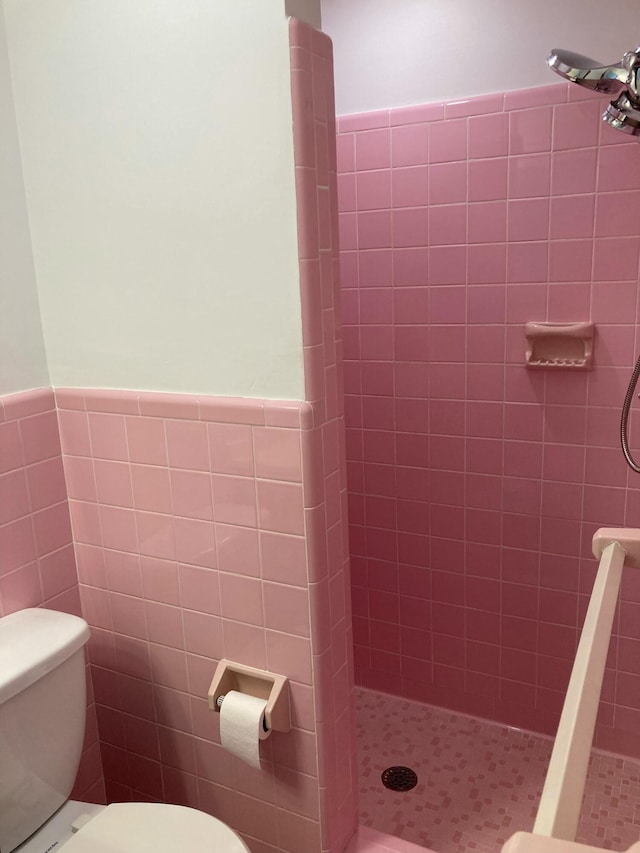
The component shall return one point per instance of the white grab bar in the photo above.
(559, 809)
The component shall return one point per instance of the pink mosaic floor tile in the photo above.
(478, 782)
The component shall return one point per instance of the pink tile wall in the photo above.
(188, 519)
(37, 565)
(198, 537)
(475, 485)
(324, 457)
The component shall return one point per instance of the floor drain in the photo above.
(399, 778)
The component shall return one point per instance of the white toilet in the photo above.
(42, 719)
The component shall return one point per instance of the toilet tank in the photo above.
(42, 717)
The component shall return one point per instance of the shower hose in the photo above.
(624, 439)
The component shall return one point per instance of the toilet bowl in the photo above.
(132, 828)
(42, 720)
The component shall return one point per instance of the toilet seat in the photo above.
(154, 828)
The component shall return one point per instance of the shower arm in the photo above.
(593, 75)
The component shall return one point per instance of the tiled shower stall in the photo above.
(475, 484)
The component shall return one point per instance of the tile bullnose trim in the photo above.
(294, 414)
(21, 404)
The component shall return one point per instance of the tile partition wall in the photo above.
(37, 563)
(475, 485)
(325, 460)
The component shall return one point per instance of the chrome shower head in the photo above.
(622, 78)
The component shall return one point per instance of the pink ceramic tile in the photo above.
(530, 130)
(46, 483)
(187, 445)
(234, 500)
(448, 141)
(233, 410)
(283, 558)
(373, 149)
(114, 402)
(151, 488)
(74, 433)
(375, 268)
(529, 176)
(534, 97)
(40, 438)
(108, 436)
(23, 404)
(277, 454)
(345, 147)
(52, 528)
(245, 643)
(347, 192)
(85, 521)
(574, 171)
(195, 542)
(113, 483)
(616, 214)
(488, 179)
(447, 224)
(238, 549)
(529, 219)
(280, 507)
(410, 186)
(363, 121)
(241, 599)
(160, 580)
(118, 527)
(19, 546)
(474, 106)
(374, 229)
(191, 494)
(287, 653)
(409, 145)
(199, 589)
(487, 222)
(70, 398)
(410, 227)
(146, 440)
(489, 135)
(11, 455)
(527, 262)
(416, 114)
(487, 264)
(231, 449)
(570, 260)
(14, 497)
(447, 183)
(373, 190)
(447, 264)
(615, 259)
(572, 216)
(576, 125)
(618, 168)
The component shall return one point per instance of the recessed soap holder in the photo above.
(254, 682)
(559, 346)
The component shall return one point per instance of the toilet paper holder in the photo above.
(254, 682)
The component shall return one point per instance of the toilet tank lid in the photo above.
(33, 642)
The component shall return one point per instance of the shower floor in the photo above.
(478, 782)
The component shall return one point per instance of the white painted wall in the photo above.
(158, 162)
(22, 357)
(397, 52)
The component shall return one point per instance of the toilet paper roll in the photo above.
(242, 726)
